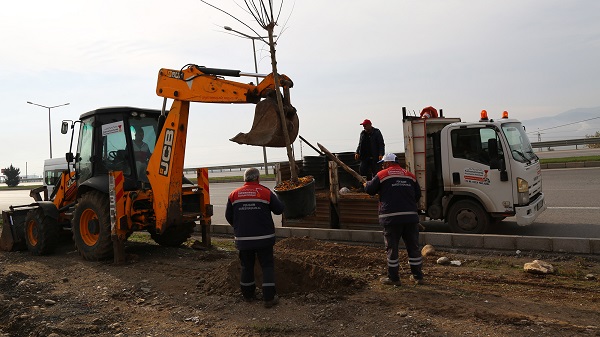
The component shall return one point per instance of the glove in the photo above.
(356, 156)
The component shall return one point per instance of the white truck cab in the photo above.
(53, 168)
(474, 174)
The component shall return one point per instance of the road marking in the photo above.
(598, 208)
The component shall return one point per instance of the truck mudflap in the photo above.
(526, 215)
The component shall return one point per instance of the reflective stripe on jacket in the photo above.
(249, 212)
(399, 192)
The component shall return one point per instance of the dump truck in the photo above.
(127, 172)
(473, 174)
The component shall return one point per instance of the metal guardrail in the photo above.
(567, 142)
(31, 180)
(230, 168)
(271, 165)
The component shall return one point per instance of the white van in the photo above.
(53, 168)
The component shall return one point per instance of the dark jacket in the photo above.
(375, 145)
(399, 193)
(249, 212)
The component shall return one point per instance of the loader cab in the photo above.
(115, 139)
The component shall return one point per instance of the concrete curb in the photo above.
(443, 240)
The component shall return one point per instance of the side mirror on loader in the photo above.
(69, 156)
(64, 128)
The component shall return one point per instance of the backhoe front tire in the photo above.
(91, 227)
(41, 232)
(174, 236)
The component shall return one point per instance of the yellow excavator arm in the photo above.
(201, 84)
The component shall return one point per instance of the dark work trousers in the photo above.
(265, 258)
(410, 235)
(368, 168)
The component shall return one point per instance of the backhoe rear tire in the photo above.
(174, 236)
(91, 227)
(41, 232)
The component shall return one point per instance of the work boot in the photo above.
(271, 303)
(389, 282)
(416, 281)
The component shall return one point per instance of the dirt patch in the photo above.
(326, 289)
(305, 266)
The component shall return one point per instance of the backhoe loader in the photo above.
(119, 186)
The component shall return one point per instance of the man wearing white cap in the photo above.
(399, 193)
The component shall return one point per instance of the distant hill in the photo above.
(576, 123)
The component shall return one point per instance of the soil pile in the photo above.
(326, 289)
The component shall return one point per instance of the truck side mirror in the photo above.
(493, 152)
(496, 161)
(64, 128)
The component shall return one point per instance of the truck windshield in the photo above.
(520, 147)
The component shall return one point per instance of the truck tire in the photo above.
(174, 236)
(91, 227)
(467, 216)
(41, 232)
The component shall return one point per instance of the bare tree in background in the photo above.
(267, 18)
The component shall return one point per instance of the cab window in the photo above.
(472, 144)
(85, 150)
(114, 151)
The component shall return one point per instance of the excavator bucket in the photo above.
(266, 128)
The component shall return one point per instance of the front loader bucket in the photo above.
(266, 128)
(13, 231)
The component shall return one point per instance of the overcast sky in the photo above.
(349, 60)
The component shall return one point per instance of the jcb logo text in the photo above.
(165, 158)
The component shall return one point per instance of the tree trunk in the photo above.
(288, 146)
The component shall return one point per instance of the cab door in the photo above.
(469, 167)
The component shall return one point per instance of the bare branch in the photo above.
(256, 13)
(284, 26)
(279, 12)
(236, 19)
(242, 7)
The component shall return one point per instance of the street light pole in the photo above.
(255, 71)
(49, 123)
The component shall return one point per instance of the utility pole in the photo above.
(49, 123)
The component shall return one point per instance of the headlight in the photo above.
(522, 185)
(523, 189)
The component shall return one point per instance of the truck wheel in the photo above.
(467, 216)
(41, 232)
(174, 236)
(91, 227)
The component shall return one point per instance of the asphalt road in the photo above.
(571, 196)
